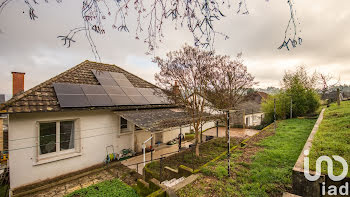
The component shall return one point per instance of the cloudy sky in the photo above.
(32, 46)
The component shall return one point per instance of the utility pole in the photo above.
(217, 128)
(291, 108)
(180, 138)
(338, 96)
(274, 113)
(201, 133)
(151, 147)
(228, 143)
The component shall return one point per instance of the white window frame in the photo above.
(128, 129)
(58, 152)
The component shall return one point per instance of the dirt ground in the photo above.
(234, 132)
(156, 154)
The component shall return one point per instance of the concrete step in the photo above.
(286, 194)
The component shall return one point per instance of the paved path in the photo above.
(234, 132)
(156, 154)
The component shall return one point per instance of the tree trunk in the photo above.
(196, 130)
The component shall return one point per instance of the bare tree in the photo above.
(229, 83)
(190, 68)
(325, 80)
(198, 16)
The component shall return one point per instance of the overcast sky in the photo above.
(32, 46)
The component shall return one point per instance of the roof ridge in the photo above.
(25, 93)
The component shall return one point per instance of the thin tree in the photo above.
(190, 68)
(198, 16)
(229, 83)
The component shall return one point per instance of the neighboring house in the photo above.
(249, 112)
(66, 123)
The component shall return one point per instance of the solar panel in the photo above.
(67, 88)
(101, 74)
(139, 100)
(150, 95)
(70, 100)
(121, 80)
(130, 91)
(146, 91)
(93, 89)
(124, 83)
(99, 100)
(120, 76)
(70, 95)
(114, 90)
(120, 99)
(107, 81)
(2, 98)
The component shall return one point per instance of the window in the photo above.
(47, 137)
(247, 121)
(123, 123)
(56, 136)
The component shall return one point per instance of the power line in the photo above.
(61, 142)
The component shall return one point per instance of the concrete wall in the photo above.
(96, 130)
(254, 119)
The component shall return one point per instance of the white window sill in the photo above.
(130, 132)
(56, 158)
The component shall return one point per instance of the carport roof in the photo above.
(159, 119)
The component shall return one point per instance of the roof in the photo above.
(263, 95)
(159, 119)
(42, 98)
(2, 98)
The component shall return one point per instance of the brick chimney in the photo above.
(17, 82)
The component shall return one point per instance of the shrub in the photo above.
(299, 87)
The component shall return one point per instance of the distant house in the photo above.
(249, 111)
(66, 123)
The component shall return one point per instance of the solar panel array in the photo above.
(114, 90)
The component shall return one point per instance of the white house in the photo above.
(66, 123)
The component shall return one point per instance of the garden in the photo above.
(107, 188)
(261, 168)
(208, 151)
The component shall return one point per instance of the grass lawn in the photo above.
(208, 151)
(333, 137)
(262, 168)
(107, 188)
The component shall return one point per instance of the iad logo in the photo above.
(332, 189)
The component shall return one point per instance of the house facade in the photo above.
(48, 139)
(249, 113)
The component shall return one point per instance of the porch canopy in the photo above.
(159, 119)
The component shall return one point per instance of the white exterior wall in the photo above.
(174, 132)
(97, 129)
(254, 119)
(94, 131)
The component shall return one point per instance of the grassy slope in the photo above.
(269, 171)
(107, 188)
(208, 151)
(333, 137)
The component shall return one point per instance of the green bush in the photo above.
(189, 136)
(106, 188)
(305, 100)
